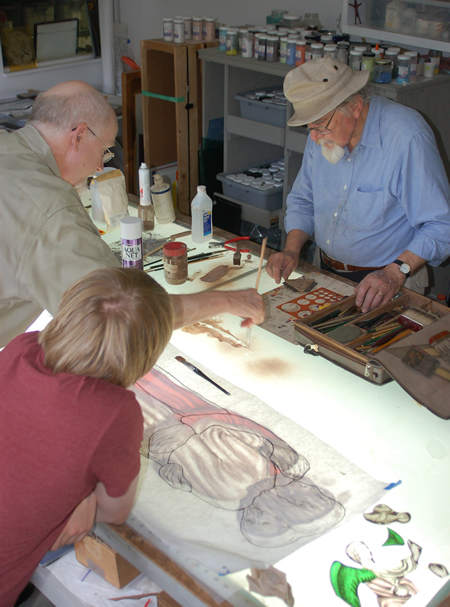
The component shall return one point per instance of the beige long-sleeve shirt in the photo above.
(47, 240)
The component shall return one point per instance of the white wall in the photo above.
(44, 78)
(144, 17)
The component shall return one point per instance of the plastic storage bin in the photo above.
(270, 110)
(268, 199)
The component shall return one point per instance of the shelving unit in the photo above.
(372, 14)
(248, 142)
(171, 104)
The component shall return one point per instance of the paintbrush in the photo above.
(258, 277)
(200, 373)
(412, 319)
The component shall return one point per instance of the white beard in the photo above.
(331, 151)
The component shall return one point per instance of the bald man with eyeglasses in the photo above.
(47, 240)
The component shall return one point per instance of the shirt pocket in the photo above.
(365, 211)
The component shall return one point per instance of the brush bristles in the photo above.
(417, 318)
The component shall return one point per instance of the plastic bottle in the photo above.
(146, 210)
(393, 15)
(201, 212)
(131, 242)
(162, 200)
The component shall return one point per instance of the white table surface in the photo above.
(379, 428)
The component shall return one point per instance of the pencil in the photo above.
(393, 340)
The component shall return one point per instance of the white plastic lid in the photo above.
(201, 188)
(317, 45)
(130, 228)
(143, 166)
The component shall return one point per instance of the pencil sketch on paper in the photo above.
(234, 463)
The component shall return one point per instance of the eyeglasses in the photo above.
(107, 155)
(321, 129)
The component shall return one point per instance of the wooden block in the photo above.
(95, 554)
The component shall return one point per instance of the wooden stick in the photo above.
(261, 259)
(393, 340)
(258, 277)
(172, 238)
(154, 250)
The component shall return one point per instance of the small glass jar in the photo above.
(367, 63)
(197, 29)
(178, 30)
(329, 50)
(262, 42)
(382, 71)
(413, 65)
(232, 41)
(300, 52)
(283, 47)
(435, 57)
(254, 31)
(342, 55)
(316, 50)
(168, 30)
(403, 63)
(187, 28)
(175, 262)
(241, 32)
(291, 46)
(392, 56)
(354, 60)
(223, 38)
(247, 44)
(272, 48)
(326, 39)
(209, 29)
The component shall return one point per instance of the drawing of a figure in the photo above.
(388, 583)
(235, 464)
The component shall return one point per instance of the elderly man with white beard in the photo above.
(372, 187)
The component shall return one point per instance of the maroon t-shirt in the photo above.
(59, 436)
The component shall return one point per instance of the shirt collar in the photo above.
(371, 137)
(40, 147)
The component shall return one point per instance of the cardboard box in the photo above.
(95, 554)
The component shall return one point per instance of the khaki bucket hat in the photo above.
(320, 85)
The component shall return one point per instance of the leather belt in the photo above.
(346, 267)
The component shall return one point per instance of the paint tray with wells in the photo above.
(341, 333)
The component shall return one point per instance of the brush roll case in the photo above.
(382, 367)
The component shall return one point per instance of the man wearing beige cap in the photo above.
(372, 186)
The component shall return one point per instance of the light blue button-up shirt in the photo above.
(390, 194)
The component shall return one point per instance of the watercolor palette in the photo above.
(308, 303)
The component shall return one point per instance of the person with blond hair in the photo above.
(47, 240)
(71, 429)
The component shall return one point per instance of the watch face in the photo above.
(404, 268)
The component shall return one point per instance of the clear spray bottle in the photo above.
(201, 212)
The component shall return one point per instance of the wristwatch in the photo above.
(404, 267)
